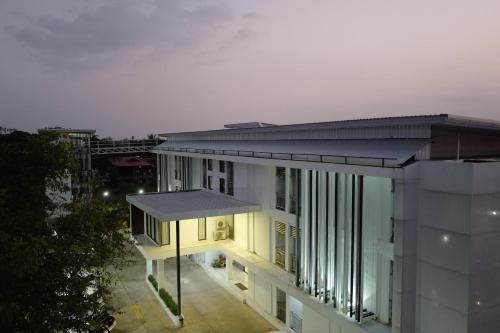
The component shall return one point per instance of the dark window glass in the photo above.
(210, 183)
(294, 174)
(222, 185)
(204, 172)
(222, 166)
(230, 178)
(210, 166)
(280, 188)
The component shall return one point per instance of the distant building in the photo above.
(373, 225)
(136, 168)
(80, 139)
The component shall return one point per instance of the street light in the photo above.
(105, 194)
(141, 191)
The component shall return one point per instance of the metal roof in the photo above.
(439, 119)
(383, 152)
(183, 205)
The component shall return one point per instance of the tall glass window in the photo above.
(293, 189)
(204, 172)
(230, 178)
(280, 188)
(222, 185)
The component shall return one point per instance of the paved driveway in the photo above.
(206, 306)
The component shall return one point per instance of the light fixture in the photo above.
(105, 194)
(494, 213)
(141, 191)
(445, 238)
(478, 302)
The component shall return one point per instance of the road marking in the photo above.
(136, 311)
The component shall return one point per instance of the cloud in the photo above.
(252, 16)
(106, 34)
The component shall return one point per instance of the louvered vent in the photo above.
(280, 227)
(293, 232)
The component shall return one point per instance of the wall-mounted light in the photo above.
(478, 302)
(445, 238)
(494, 212)
(141, 191)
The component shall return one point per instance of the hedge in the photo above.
(152, 279)
(168, 300)
(164, 295)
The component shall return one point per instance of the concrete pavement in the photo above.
(206, 306)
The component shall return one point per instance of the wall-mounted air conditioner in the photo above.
(221, 225)
(219, 235)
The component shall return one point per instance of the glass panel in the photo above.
(230, 178)
(222, 185)
(165, 233)
(280, 188)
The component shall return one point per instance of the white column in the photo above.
(149, 267)
(160, 276)
(287, 310)
(229, 268)
(287, 245)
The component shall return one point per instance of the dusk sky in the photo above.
(136, 67)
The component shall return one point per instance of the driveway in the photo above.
(206, 306)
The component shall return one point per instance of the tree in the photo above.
(55, 276)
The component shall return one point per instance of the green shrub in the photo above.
(152, 280)
(168, 300)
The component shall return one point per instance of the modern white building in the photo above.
(373, 225)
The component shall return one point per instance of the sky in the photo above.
(130, 68)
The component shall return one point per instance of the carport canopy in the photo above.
(184, 205)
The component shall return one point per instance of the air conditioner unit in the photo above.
(221, 225)
(219, 235)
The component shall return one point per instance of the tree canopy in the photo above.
(54, 275)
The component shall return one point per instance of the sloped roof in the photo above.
(383, 152)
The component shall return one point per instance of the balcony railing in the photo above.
(280, 257)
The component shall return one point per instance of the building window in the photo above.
(177, 162)
(202, 228)
(280, 254)
(222, 166)
(294, 182)
(292, 243)
(210, 187)
(210, 165)
(204, 172)
(165, 233)
(222, 185)
(280, 188)
(230, 178)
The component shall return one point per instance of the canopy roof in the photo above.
(183, 205)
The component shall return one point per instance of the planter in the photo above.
(175, 319)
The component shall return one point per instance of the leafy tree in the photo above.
(54, 276)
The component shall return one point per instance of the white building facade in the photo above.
(377, 225)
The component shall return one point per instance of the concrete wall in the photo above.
(241, 226)
(458, 248)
